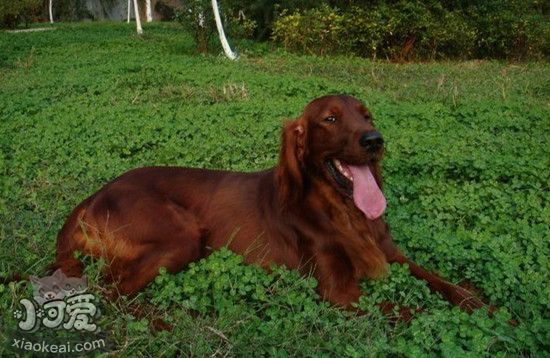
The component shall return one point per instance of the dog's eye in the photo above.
(330, 119)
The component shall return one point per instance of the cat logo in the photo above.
(59, 302)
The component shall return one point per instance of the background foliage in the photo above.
(412, 30)
(399, 30)
(22, 11)
(466, 173)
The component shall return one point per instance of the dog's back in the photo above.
(167, 217)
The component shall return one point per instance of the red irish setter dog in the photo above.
(319, 210)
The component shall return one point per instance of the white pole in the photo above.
(138, 21)
(129, 6)
(148, 11)
(230, 54)
(51, 12)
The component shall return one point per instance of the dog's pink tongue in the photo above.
(366, 194)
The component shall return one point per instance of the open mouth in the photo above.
(342, 175)
(358, 182)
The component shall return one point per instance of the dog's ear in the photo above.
(291, 161)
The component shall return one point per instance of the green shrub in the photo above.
(410, 30)
(365, 30)
(423, 30)
(12, 13)
(240, 26)
(403, 31)
(318, 30)
(196, 17)
(263, 12)
(510, 29)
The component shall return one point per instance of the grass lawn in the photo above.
(466, 177)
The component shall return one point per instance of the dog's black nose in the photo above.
(371, 140)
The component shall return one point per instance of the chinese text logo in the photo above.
(60, 302)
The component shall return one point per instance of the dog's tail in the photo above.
(65, 249)
(68, 244)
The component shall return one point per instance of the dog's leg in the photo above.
(174, 257)
(455, 294)
(336, 280)
(339, 286)
(340, 295)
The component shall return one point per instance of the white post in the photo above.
(51, 12)
(138, 20)
(148, 11)
(129, 8)
(230, 54)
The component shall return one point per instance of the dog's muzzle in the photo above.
(372, 141)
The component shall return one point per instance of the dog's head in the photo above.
(334, 140)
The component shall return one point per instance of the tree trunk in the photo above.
(129, 8)
(148, 11)
(230, 54)
(202, 34)
(138, 20)
(51, 11)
